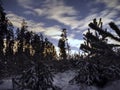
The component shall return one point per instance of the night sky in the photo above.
(49, 17)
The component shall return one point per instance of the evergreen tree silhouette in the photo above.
(96, 44)
(36, 44)
(21, 36)
(62, 44)
(49, 50)
(6, 37)
(101, 62)
(41, 46)
(9, 39)
(3, 29)
(28, 39)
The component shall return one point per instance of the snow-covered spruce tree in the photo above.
(101, 65)
(38, 77)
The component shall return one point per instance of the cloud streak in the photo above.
(66, 15)
(110, 3)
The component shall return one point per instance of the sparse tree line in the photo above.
(22, 53)
(24, 41)
(31, 57)
(16, 45)
(22, 56)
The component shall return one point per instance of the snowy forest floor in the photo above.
(61, 79)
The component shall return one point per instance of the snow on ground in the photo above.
(6, 85)
(62, 80)
(113, 86)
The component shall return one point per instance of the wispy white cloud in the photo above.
(54, 10)
(32, 26)
(57, 10)
(15, 19)
(54, 32)
(39, 11)
(29, 13)
(117, 22)
(35, 27)
(109, 3)
(93, 10)
(118, 7)
(25, 3)
(106, 15)
(67, 15)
